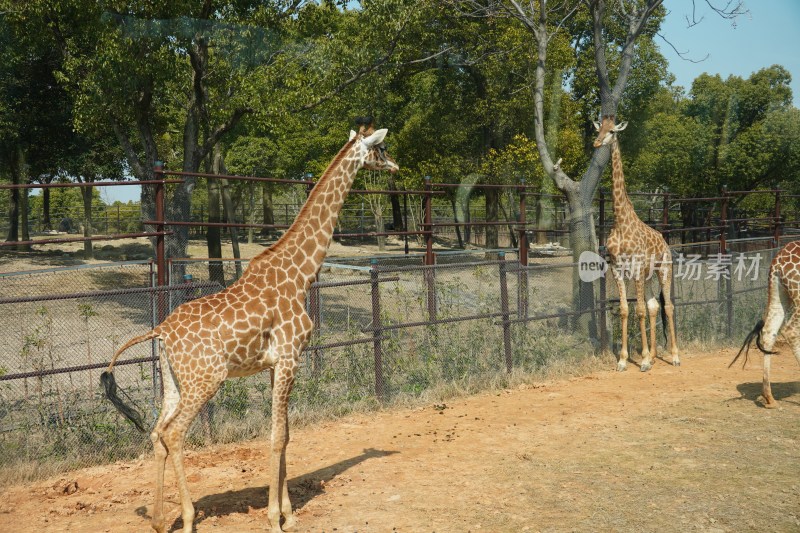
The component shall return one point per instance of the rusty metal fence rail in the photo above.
(386, 327)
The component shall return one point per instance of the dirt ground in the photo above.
(675, 449)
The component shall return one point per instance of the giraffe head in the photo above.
(370, 148)
(607, 131)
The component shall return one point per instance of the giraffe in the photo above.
(783, 296)
(640, 247)
(258, 322)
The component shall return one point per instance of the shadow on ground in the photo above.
(302, 490)
(781, 392)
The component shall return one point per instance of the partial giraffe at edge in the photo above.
(633, 240)
(783, 300)
(258, 322)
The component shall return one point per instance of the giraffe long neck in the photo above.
(309, 236)
(623, 208)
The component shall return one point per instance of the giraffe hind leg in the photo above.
(778, 303)
(641, 313)
(169, 405)
(665, 277)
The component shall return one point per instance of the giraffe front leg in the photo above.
(622, 363)
(279, 503)
(652, 311)
(665, 277)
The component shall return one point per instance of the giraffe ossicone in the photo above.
(632, 239)
(257, 323)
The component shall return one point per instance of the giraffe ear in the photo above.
(352, 134)
(375, 138)
(596, 126)
(621, 126)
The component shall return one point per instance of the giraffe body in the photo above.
(259, 322)
(780, 314)
(637, 251)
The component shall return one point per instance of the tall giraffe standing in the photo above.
(634, 244)
(258, 322)
(783, 298)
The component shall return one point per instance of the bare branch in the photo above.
(731, 10)
(682, 55)
(424, 59)
(224, 128)
(136, 164)
(564, 20)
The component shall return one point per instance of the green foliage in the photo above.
(739, 133)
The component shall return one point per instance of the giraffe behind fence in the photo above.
(644, 250)
(258, 322)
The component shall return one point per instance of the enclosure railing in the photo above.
(502, 324)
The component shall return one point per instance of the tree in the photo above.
(736, 133)
(614, 38)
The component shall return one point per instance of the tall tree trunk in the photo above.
(46, 223)
(268, 210)
(216, 272)
(24, 230)
(397, 209)
(543, 219)
(17, 166)
(583, 237)
(492, 198)
(227, 204)
(88, 248)
(510, 216)
(467, 216)
(454, 204)
(251, 215)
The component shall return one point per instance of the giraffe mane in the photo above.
(314, 191)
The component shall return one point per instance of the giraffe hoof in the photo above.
(771, 405)
(289, 523)
(676, 363)
(646, 366)
(621, 367)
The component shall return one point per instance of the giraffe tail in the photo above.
(109, 384)
(754, 335)
(662, 301)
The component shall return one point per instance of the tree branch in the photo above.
(682, 55)
(137, 167)
(223, 128)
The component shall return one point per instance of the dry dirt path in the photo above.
(686, 449)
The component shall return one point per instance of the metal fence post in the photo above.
(723, 250)
(161, 264)
(316, 317)
(376, 330)
(777, 233)
(505, 311)
(522, 275)
(430, 258)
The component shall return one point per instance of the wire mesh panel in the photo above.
(62, 326)
(385, 330)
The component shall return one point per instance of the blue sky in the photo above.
(759, 39)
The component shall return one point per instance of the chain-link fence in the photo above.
(387, 328)
(61, 326)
